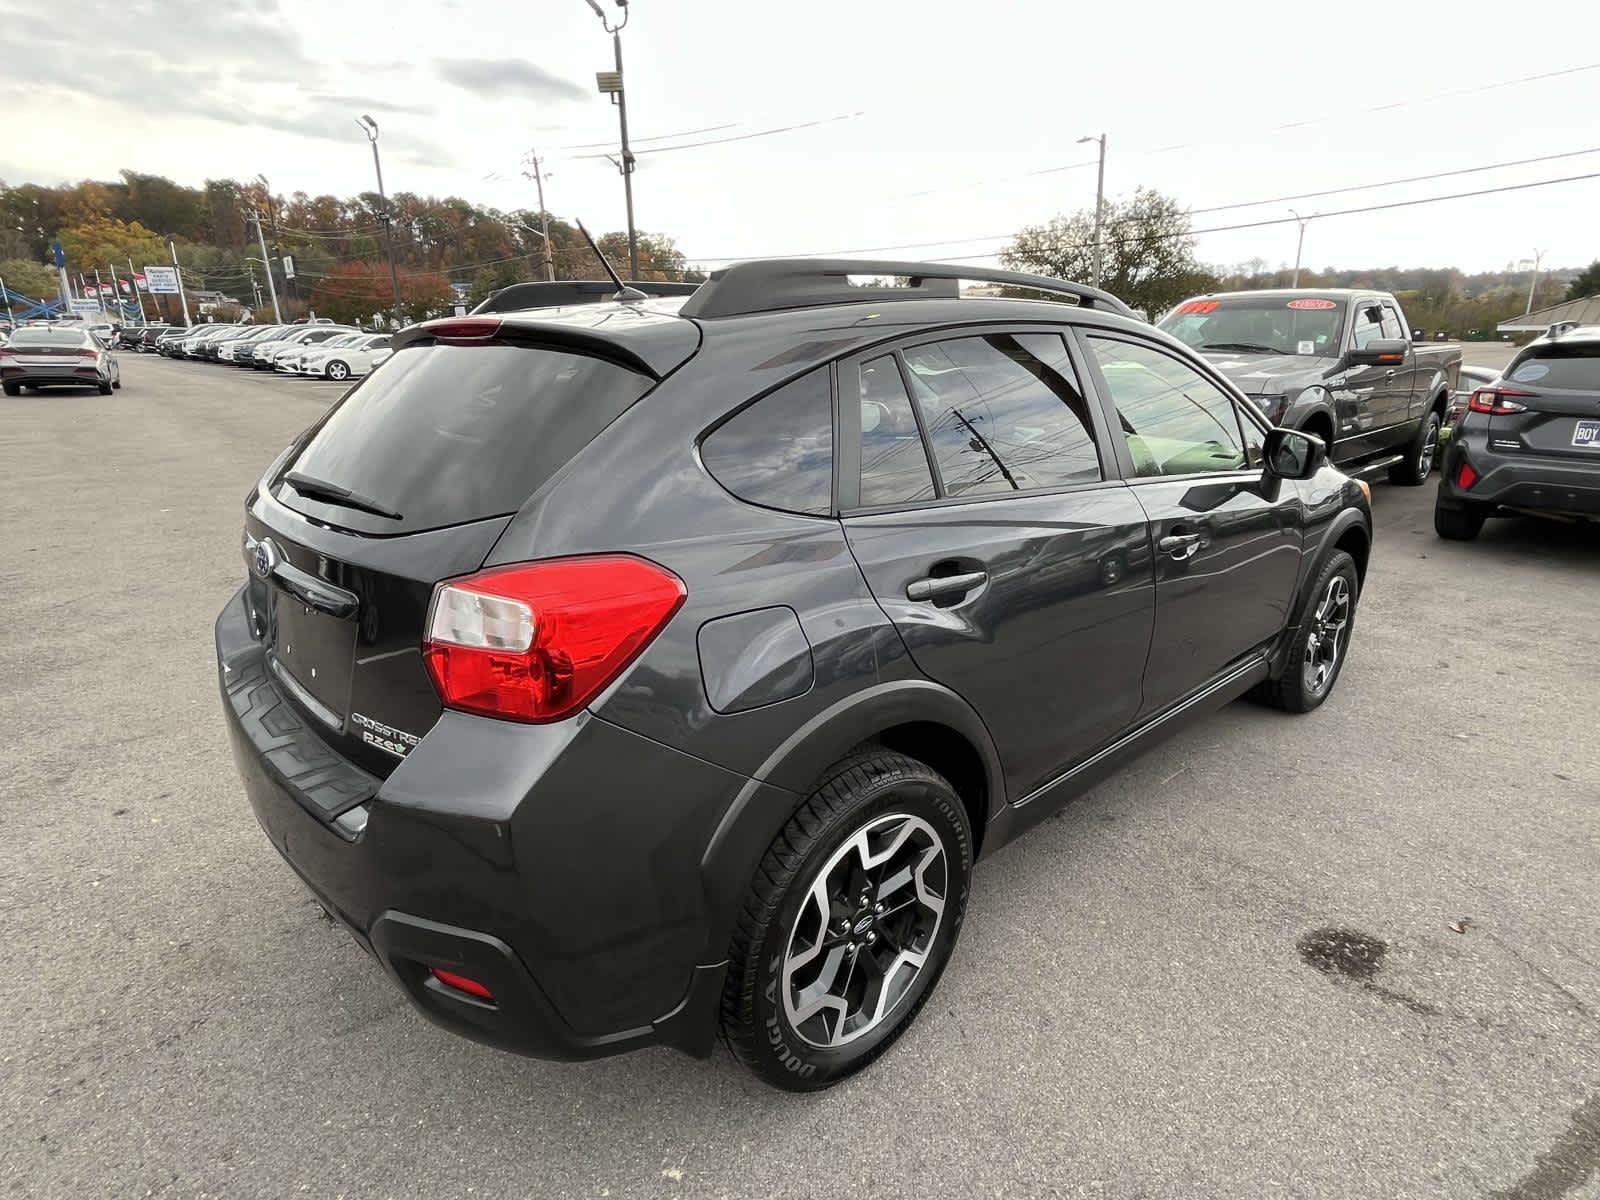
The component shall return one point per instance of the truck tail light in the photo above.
(1497, 402)
(537, 641)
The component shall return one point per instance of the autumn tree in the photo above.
(356, 292)
(1149, 259)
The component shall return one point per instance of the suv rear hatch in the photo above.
(409, 480)
(1558, 386)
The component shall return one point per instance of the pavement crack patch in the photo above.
(1358, 957)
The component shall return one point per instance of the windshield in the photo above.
(1308, 325)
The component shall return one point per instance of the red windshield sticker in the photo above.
(1196, 306)
(1319, 304)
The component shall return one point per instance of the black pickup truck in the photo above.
(1335, 362)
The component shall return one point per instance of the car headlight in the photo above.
(1272, 406)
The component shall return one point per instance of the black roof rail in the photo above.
(769, 285)
(570, 291)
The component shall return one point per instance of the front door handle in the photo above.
(1389, 374)
(942, 587)
(1180, 545)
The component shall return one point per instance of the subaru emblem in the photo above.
(266, 558)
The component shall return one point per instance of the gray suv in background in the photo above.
(638, 672)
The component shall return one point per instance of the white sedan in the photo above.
(342, 358)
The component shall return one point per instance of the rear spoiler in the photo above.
(520, 296)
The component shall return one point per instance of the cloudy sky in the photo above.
(935, 127)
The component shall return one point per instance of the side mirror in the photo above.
(1380, 352)
(1290, 454)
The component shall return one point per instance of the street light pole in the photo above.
(1300, 243)
(1538, 257)
(1099, 206)
(613, 84)
(370, 128)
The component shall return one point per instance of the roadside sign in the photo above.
(162, 281)
(288, 266)
(58, 253)
(87, 308)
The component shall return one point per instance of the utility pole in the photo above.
(370, 128)
(261, 238)
(610, 82)
(254, 286)
(1300, 243)
(544, 218)
(1538, 257)
(1099, 207)
(289, 285)
(182, 295)
(133, 282)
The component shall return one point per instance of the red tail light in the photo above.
(1466, 476)
(471, 328)
(462, 984)
(537, 641)
(1495, 401)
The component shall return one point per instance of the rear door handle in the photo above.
(1180, 545)
(940, 587)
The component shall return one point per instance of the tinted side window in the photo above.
(1368, 326)
(1174, 420)
(1003, 413)
(894, 464)
(778, 452)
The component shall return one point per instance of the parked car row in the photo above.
(323, 351)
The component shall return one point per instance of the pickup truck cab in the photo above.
(1335, 362)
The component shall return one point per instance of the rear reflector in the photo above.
(1466, 476)
(462, 984)
(537, 641)
(1497, 402)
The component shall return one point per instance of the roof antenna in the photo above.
(624, 293)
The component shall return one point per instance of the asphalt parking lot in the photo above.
(1129, 1013)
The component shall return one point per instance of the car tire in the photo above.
(1421, 455)
(1311, 668)
(338, 371)
(105, 389)
(875, 814)
(12, 389)
(117, 383)
(1454, 524)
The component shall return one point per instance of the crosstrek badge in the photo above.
(1313, 303)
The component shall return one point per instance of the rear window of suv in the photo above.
(1574, 366)
(449, 434)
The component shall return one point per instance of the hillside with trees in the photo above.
(335, 243)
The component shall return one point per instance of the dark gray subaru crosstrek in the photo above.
(628, 673)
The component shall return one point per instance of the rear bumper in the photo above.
(1522, 481)
(82, 376)
(558, 865)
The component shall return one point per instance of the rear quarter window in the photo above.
(778, 452)
(449, 434)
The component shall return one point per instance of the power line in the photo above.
(1270, 129)
(660, 137)
(1001, 237)
(743, 137)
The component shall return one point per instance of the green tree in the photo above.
(105, 241)
(1149, 259)
(1587, 283)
